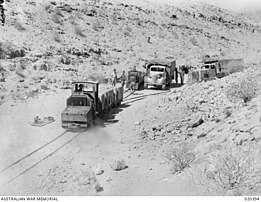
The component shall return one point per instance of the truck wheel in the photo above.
(164, 87)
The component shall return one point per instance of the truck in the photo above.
(135, 78)
(160, 73)
(222, 67)
(86, 104)
(216, 68)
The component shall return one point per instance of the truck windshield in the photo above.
(157, 69)
(77, 101)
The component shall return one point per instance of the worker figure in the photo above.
(81, 87)
(176, 75)
(2, 10)
(123, 79)
(181, 74)
(114, 77)
(133, 80)
(36, 119)
(2, 77)
(186, 71)
(132, 83)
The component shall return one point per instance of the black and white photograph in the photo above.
(130, 98)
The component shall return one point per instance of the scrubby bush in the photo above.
(230, 171)
(194, 41)
(66, 60)
(244, 88)
(47, 7)
(7, 49)
(180, 158)
(19, 26)
(79, 31)
(73, 20)
(127, 31)
(227, 113)
(2, 51)
(56, 17)
(57, 37)
(20, 73)
(97, 25)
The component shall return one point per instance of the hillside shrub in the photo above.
(244, 88)
(232, 170)
(180, 158)
(56, 19)
(194, 41)
(79, 31)
(127, 31)
(72, 21)
(19, 26)
(57, 37)
(3, 50)
(97, 25)
(57, 16)
(47, 7)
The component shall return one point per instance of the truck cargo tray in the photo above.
(43, 122)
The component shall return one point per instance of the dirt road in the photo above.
(28, 153)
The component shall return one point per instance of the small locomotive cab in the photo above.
(85, 104)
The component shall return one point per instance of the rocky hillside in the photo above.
(45, 45)
(210, 133)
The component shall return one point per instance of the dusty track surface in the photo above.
(46, 45)
(142, 131)
(50, 146)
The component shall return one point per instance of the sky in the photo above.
(237, 5)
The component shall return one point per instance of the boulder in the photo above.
(43, 67)
(197, 122)
(156, 127)
(201, 135)
(118, 164)
(143, 135)
(137, 123)
(98, 170)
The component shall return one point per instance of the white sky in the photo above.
(236, 5)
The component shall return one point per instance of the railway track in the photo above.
(34, 158)
(21, 166)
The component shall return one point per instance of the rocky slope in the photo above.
(208, 136)
(201, 126)
(45, 45)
